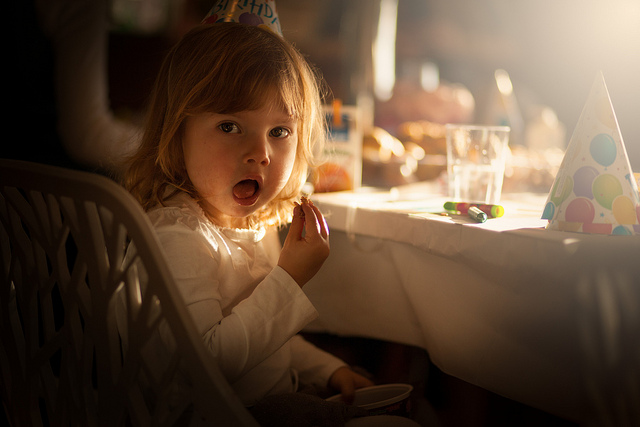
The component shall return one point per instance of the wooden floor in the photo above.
(439, 400)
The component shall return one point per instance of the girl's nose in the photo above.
(258, 151)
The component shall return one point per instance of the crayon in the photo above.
(476, 214)
(495, 211)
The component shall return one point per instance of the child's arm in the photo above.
(314, 365)
(256, 327)
(306, 246)
(322, 369)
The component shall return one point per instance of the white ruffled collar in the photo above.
(236, 234)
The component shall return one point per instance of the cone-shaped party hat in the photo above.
(261, 13)
(595, 190)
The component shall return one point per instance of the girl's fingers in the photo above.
(348, 392)
(308, 217)
(324, 228)
(312, 227)
(297, 223)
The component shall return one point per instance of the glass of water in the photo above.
(476, 157)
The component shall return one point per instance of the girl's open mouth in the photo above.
(246, 192)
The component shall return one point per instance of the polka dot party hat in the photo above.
(595, 190)
(261, 13)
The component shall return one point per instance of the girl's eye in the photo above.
(229, 127)
(280, 132)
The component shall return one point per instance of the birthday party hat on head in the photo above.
(595, 190)
(260, 13)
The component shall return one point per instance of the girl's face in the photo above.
(239, 162)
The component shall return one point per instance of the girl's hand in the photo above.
(347, 382)
(306, 246)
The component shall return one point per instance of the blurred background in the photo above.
(413, 65)
(409, 66)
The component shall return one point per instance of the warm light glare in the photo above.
(429, 76)
(504, 82)
(622, 19)
(389, 145)
(549, 117)
(463, 97)
(417, 152)
(384, 50)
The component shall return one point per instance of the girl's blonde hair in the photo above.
(226, 68)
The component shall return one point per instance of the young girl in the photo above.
(234, 120)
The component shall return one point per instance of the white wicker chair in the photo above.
(63, 360)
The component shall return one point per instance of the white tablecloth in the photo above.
(551, 319)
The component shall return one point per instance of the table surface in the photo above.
(535, 315)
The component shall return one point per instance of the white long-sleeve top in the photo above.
(246, 308)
